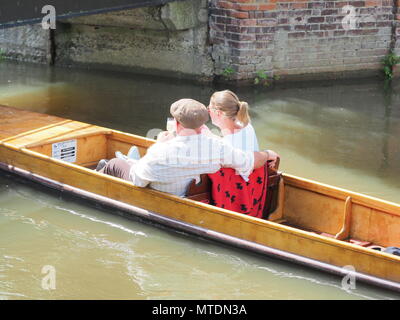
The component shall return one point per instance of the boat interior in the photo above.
(299, 203)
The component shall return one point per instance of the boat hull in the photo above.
(29, 154)
(133, 212)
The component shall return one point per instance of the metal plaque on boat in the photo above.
(65, 150)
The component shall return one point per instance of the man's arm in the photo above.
(245, 161)
(261, 157)
(141, 173)
(138, 182)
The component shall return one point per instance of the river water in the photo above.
(344, 134)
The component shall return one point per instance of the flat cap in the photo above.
(190, 113)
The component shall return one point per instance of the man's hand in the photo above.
(165, 136)
(272, 157)
(207, 132)
(260, 158)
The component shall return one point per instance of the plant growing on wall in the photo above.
(262, 78)
(389, 61)
(228, 73)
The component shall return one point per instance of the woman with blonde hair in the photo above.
(243, 194)
(232, 117)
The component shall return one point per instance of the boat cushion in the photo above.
(230, 191)
(202, 191)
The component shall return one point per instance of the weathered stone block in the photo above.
(184, 15)
(180, 15)
(26, 43)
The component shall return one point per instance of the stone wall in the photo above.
(201, 39)
(301, 38)
(28, 43)
(169, 40)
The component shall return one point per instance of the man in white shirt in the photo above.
(174, 161)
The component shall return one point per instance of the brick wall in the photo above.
(396, 35)
(302, 37)
(396, 31)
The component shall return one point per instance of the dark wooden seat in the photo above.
(274, 177)
(202, 190)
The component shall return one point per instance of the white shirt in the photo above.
(244, 139)
(170, 166)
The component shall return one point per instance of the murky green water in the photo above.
(341, 134)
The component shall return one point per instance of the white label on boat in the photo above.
(65, 150)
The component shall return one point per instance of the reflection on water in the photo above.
(339, 134)
(129, 103)
(345, 135)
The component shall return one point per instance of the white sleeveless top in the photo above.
(245, 139)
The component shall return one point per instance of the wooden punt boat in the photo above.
(315, 224)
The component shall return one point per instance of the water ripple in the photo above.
(111, 224)
(51, 206)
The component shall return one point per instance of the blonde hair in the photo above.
(231, 106)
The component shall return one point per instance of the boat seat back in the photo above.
(200, 191)
(274, 177)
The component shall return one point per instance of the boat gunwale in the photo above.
(120, 135)
(65, 136)
(209, 208)
(342, 194)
